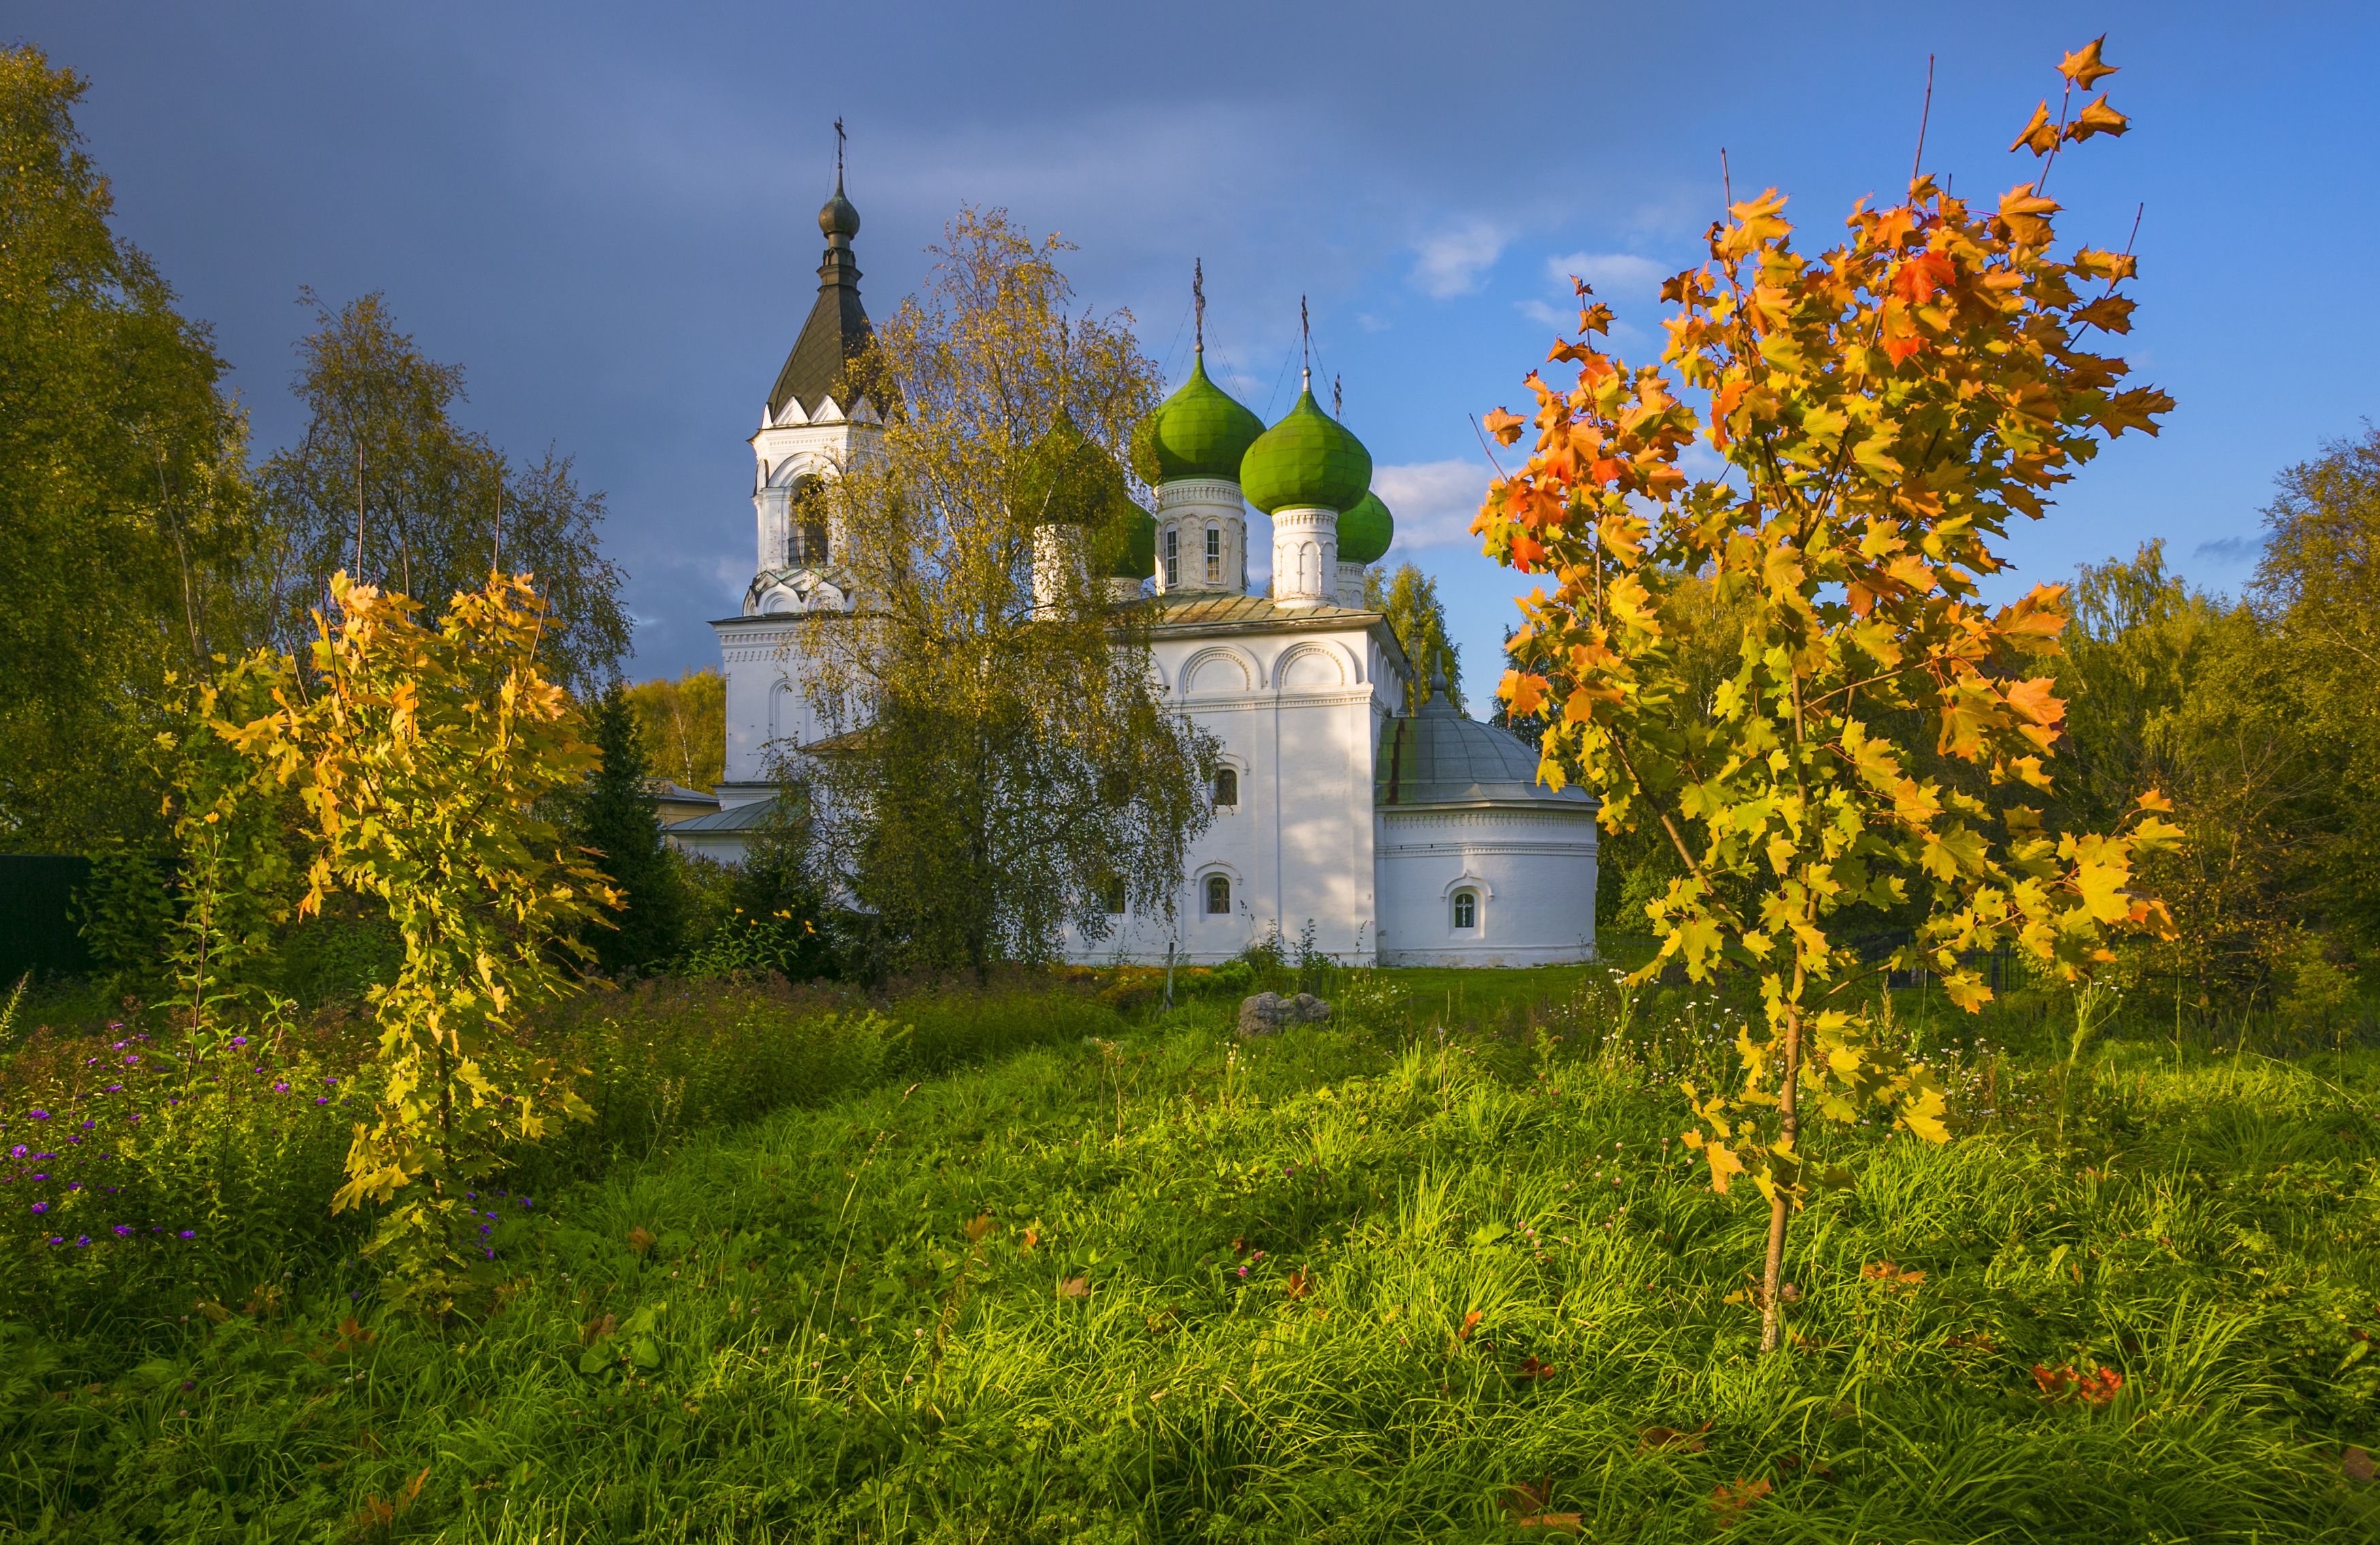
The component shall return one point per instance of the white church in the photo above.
(1402, 840)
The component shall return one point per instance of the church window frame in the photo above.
(1216, 901)
(1214, 556)
(1225, 790)
(807, 544)
(1172, 556)
(1466, 909)
(1111, 896)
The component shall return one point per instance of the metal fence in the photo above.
(38, 929)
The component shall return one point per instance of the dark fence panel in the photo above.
(38, 930)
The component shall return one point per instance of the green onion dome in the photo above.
(1365, 531)
(1066, 479)
(1199, 431)
(1135, 541)
(1306, 461)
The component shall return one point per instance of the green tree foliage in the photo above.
(1408, 598)
(685, 725)
(384, 485)
(125, 515)
(2318, 590)
(613, 818)
(1005, 760)
(2175, 691)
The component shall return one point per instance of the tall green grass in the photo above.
(1353, 1284)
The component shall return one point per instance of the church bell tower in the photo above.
(818, 419)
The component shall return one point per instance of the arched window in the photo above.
(1219, 896)
(1466, 910)
(1172, 558)
(806, 531)
(1227, 786)
(1214, 556)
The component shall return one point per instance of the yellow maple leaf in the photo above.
(2039, 134)
(2083, 65)
(2097, 118)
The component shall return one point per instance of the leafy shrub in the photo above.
(136, 1169)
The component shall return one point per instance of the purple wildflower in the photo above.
(282, 1087)
(41, 1207)
(123, 1231)
(82, 1241)
(17, 1152)
(239, 1040)
(39, 1115)
(189, 1234)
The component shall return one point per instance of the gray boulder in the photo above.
(1269, 1013)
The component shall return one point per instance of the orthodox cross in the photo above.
(1304, 336)
(838, 151)
(1337, 408)
(1198, 298)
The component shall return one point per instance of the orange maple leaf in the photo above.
(1525, 693)
(2083, 66)
(2027, 215)
(1505, 426)
(2109, 314)
(2039, 134)
(1731, 1501)
(2033, 700)
(2097, 118)
(1916, 278)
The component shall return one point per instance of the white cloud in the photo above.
(1433, 502)
(1553, 317)
(1611, 273)
(1455, 262)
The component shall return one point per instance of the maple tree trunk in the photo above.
(1780, 1207)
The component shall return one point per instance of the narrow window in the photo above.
(1467, 909)
(1173, 557)
(1214, 556)
(1227, 786)
(1219, 896)
(1112, 897)
(806, 539)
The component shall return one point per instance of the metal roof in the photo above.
(749, 817)
(1440, 757)
(836, 332)
(1192, 611)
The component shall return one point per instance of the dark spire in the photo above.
(837, 331)
(1198, 298)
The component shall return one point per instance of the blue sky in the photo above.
(606, 213)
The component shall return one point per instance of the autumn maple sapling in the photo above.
(1885, 410)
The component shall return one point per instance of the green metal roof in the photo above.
(1306, 461)
(1199, 431)
(1365, 531)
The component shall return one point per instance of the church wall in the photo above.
(1297, 714)
(758, 657)
(1532, 874)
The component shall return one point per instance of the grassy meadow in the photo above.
(1056, 1267)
